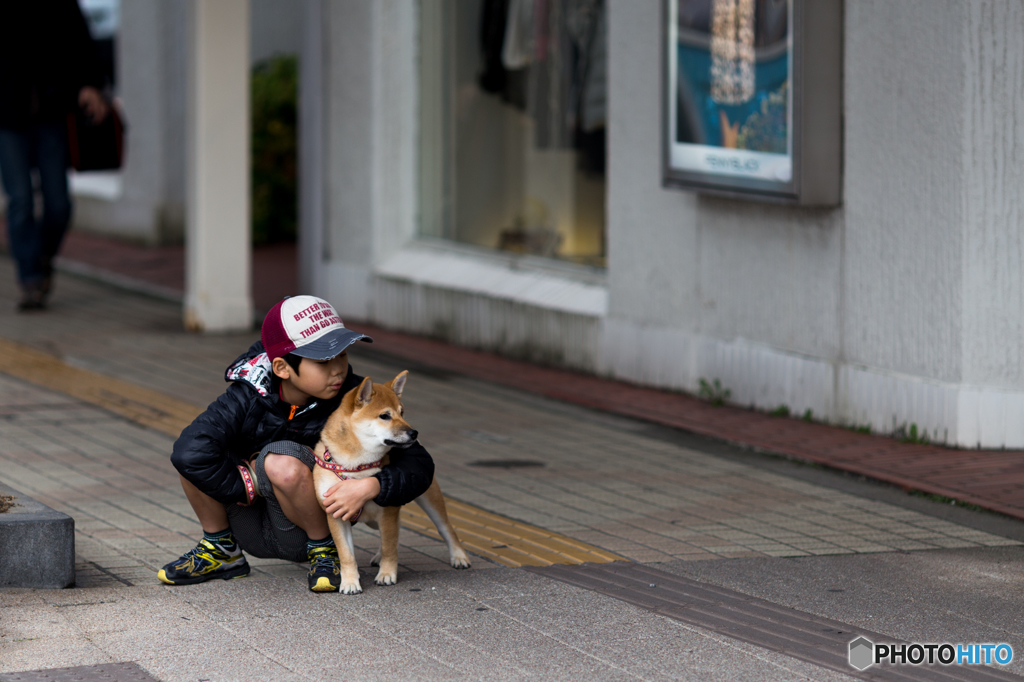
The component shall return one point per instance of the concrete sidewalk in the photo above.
(989, 479)
(651, 494)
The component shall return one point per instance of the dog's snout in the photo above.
(413, 434)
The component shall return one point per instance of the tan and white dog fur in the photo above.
(367, 424)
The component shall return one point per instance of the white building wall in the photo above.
(993, 314)
(902, 306)
(904, 181)
(745, 292)
(993, 272)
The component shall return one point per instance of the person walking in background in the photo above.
(48, 67)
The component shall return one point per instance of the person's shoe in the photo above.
(32, 298)
(205, 561)
(324, 568)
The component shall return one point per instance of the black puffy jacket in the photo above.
(250, 415)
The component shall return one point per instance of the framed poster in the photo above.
(737, 99)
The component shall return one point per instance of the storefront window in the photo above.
(512, 122)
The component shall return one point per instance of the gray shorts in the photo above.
(262, 529)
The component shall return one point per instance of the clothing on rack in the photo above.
(549, 58)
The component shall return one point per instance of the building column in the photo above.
(312, 73)
(218, 245)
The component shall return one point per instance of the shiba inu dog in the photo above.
(354, 444)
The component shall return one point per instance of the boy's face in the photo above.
(321, 379)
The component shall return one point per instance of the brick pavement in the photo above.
(992, 480)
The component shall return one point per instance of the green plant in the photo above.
(866, 428)
(808, 415)
(780, 411)
(942, 499)
(910, 434)
(274, 150)
(713, 392)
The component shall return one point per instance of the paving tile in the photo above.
(229, 666)
(44, 653)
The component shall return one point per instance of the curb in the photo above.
(37, 544)
(114, 279)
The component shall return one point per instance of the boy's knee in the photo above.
(285, 472)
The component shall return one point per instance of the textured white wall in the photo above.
(349, 99)
(722, 268)
(904, 305)
(993, 110)
(704, 265)
(369, 105)
(904, 182)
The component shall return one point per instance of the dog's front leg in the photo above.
(341, 531)
(388, 573)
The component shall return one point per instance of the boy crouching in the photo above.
(283, 390)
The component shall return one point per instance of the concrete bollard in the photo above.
(37, 544)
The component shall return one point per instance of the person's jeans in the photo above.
(41, 146)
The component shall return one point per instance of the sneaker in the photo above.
(205, 561)
(324, 569)
(32, 298)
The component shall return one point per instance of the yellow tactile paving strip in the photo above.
(140, 405)
(503, 540)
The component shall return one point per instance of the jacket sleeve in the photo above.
(203, 455)
(407, 476)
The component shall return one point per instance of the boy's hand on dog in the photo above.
(345, 498)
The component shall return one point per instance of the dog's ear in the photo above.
(365, 393)
(398, 383)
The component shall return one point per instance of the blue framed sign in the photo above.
(736, 101)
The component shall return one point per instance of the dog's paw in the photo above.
(384, 579)
(460, 560)
(350, 588)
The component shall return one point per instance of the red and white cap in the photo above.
(308, 327)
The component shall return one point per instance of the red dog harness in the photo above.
(327, 462)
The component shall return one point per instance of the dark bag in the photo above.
(95, 146)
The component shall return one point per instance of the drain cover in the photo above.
(506, 463)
